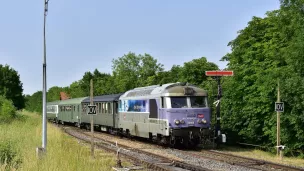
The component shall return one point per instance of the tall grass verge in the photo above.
(19, 139)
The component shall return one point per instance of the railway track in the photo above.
(150, 160)
(162, 158)
(242, 161)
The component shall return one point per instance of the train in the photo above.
(169, 114)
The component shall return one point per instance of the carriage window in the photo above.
(106, 106)
(74, 108)
(110, 108)
(179, 102)
(99, 107)
(103, 108)
(96, 107)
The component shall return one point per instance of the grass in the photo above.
(262, 155)
(22, 136)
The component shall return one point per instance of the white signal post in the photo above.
(92, 111)
(217, 76)
(279, 107)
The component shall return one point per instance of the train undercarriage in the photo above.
(184, 138)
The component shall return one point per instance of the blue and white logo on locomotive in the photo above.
(134, 106)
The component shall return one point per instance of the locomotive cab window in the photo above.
(179, 102)
(198, 101)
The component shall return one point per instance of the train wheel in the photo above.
(172, 142)
(87, 126)
(185, 142)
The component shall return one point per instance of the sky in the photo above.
(86, 35)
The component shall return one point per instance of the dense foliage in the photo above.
(11, 86)
(7, 110)
(34, 102)
(268, 52)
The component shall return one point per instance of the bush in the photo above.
(7, 110)
(8, 155)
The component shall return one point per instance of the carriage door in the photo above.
(72, 108)
(115, 113)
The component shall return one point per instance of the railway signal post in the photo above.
(92, 112)
(217, 76)
(279, 107)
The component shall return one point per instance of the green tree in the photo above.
(106, 85)
(34, 102)
(7, 110)
(11, 86)
(53, 93)
(163, 77)
(133, 70)
(75, 90)
(85, 83)
(194, 71)
(267, 50)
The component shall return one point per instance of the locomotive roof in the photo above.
(103, 98)
(170, 89)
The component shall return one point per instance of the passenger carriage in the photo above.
(106, 109)
(70, 111)
(52, 110)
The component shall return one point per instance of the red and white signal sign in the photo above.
(219, 73)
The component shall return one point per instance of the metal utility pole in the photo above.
(44, 126)
(92, 124)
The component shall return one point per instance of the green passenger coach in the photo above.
(70, 110)
(52, 110)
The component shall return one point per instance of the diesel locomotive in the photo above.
(174, 113)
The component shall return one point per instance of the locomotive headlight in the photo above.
(204, 121)
(182, 121)
(177, 122)
(199, 121)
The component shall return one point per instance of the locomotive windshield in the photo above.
(189, 102)
(198, 101)
(179, 102)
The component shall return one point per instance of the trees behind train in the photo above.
(34, 102)
(133, 70)
(11, 86)
(268, 50)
